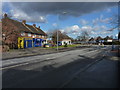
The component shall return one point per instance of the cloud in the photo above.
(83, 22)
(101, 19)
(91, 30)
(86, 28)
(108, 10)
(35, 9)
(106, 20)
(54, 24)
(72, 29)
(116, 35)
(76, 30)
(103, 32)
(19, 14)
(93, 33)
(95, 21)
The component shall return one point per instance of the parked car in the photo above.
(46, 45)
(59, 43)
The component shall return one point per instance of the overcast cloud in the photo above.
(37, 11)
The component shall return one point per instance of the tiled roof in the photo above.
(20, 26)
(41, 31)
(61, 35)
(23, 27)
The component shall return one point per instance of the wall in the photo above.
(68, 41)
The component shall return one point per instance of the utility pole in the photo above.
(57, 30)
(58, 27)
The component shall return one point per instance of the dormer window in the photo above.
(29, 34)
(22, 33)
(42, 36)
(39, 36)
(34, 35)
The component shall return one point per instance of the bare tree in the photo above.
(114, 22)
(83, 37)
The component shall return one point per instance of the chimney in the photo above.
(34, 25)
(38, 26)
(5, 15)
(24, 21)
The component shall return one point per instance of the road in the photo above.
(56, 70)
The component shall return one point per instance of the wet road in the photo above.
(56, 70)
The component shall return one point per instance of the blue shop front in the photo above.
(28, 42)
(37, 42)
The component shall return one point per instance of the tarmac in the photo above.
(103, 74)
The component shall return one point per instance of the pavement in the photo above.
(18, 53)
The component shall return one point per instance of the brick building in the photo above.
(21, 35)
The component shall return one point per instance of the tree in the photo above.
(83, 37)
(61, 36)
(114, 22)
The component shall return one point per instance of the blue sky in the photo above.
(95, 20)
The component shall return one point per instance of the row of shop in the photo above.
(25, 42)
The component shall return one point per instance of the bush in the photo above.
(65, 45)
(116, 43)
(5, 48)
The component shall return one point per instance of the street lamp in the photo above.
(58, 28)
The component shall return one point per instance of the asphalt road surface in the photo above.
(58, 70)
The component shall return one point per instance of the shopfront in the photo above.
(28, 42)
(37, 42)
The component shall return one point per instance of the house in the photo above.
(21, 35)
(110, 40)
(62, 38)
(64, 41)
(92, 41)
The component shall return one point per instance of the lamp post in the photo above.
(58, 28)
(57, 39)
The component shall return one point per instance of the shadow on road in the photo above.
(48, 76)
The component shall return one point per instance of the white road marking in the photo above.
(22, 64)
(51, 58)
(13, 66)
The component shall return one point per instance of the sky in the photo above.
(71, 18)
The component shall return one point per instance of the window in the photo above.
(34, 35)
(29, 34)
(69, 42)
(39, 36)
(42, 36)
(22, 34)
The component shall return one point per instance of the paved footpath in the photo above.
(33, 51)
(103, 74)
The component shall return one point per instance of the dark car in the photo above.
(46, 45)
